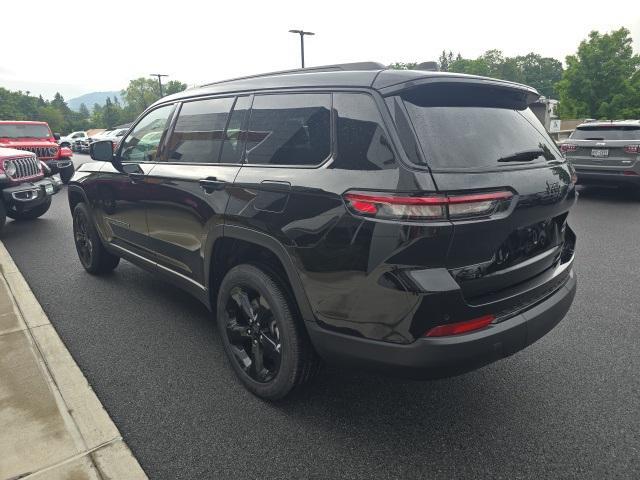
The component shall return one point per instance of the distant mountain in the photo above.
(92, 98)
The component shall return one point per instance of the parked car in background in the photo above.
(26, 193)
(114, 135)
(72, 140)
(338, 213)
(605, 152)
(36, 137)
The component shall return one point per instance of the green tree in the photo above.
(601, 79)
(110, 114)
(140, 93)
(53, 116)
(173, 86)
(540, 72)
(403, 66)
(84, 112)
(445, 60)
(97, 120)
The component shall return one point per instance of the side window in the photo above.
(291, 129)
(141, 145)
(362, 141)
(236, 133)
(198, 134)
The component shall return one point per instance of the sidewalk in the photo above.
(52, 425)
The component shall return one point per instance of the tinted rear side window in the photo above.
(472, 136)
(198, 134)
(606, 133)
(291, 129)
(362, 141)
(236, 133)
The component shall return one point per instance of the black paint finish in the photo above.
(383, 281)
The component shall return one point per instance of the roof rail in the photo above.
(323, 68)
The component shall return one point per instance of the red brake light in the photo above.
(633, 149)
(461, 327)
(568, 147)
(432, 207)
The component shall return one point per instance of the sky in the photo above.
(77, 47)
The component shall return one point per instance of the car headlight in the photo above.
(10, 168)
(53, 151)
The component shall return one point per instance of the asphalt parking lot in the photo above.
(566, 407)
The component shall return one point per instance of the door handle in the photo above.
(211, 184)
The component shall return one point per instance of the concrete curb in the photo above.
(97, 448)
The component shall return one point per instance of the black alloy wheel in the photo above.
(93, 255)
(84, 245)
(253, 334)
(263, 336)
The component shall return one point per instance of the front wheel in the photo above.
(67, 173)
(30, 214)
(267, 346)
(94, 257)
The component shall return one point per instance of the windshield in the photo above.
(24, 130)
(472, 137)
(606, 133)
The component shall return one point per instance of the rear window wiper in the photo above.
(524, 156)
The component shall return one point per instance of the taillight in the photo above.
(633, 149)
(431, 207)
(461, 327)
(568, 147)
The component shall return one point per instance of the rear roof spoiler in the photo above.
(387, 86)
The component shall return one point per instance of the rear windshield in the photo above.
(606, 133)
(24, 130)
(472, 135)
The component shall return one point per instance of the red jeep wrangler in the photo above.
(36, 137)
(26, 184)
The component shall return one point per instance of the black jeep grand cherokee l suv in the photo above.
(415, 222)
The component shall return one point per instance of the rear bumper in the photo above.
(593, 176)
(30, 194)
(447, 356)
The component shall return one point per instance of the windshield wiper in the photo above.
(524, 156)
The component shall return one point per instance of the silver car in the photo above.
(605, 152)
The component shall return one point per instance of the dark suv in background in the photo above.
(413, 222)
(605, 152)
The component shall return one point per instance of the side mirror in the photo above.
(101, 151)
(56, 136)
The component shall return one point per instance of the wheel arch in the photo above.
(243, 245)
(76, 194)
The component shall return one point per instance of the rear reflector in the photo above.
(432, 207)
(632, 149)
(460, 327)
(568, 147)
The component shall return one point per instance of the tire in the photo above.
(258, 329)
(30, 214)
(94, 257)
(67, 173)
(3, 215)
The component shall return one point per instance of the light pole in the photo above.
(302, 33)
(159, 75)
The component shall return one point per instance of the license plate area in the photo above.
(599, 152)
